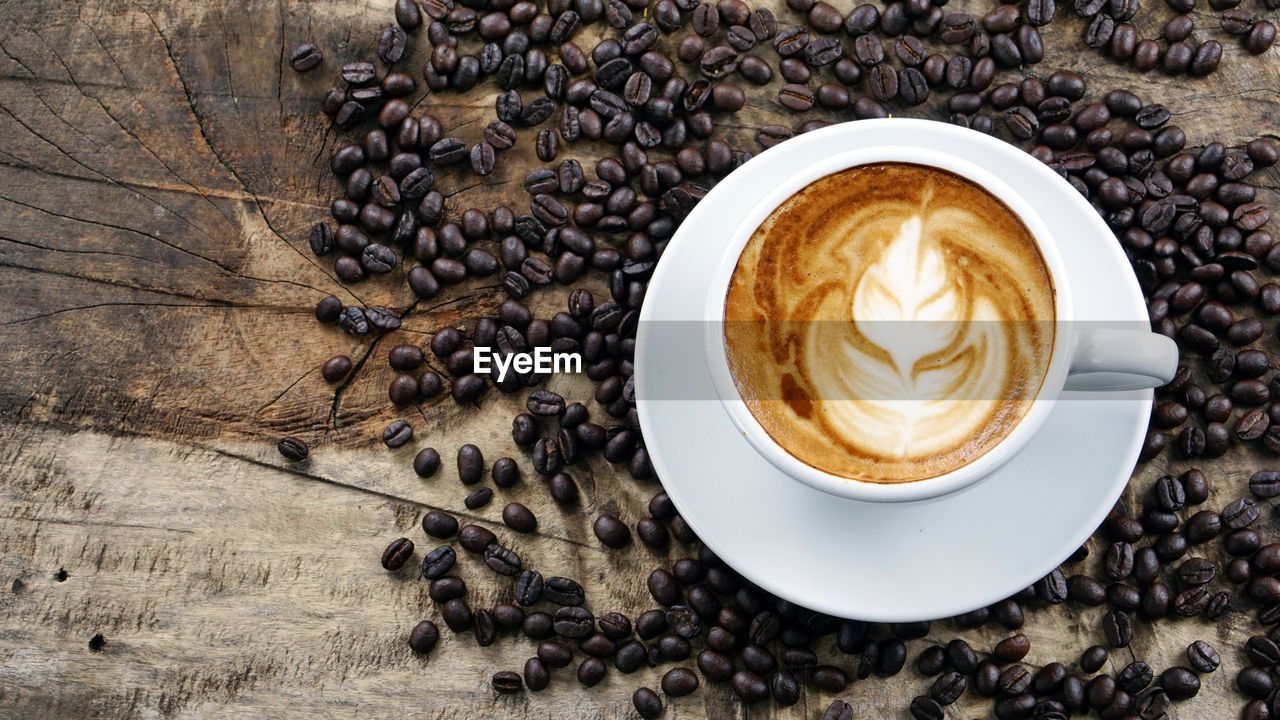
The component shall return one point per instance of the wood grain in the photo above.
(159, 167)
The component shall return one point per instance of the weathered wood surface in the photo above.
(159, 167)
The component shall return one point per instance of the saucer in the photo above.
(885, 562)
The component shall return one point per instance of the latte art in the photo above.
(890, 323)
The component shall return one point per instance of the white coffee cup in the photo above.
(1084, 358)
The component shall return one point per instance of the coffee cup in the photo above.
(1076, 356)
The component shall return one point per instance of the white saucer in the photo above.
(879, 561)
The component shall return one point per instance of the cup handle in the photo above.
(1121, 359)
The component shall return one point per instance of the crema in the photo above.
(890, 323)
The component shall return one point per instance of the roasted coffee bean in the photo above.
(1192, 601)
(986, 678)
(1260, 38)
(749, 686)
(612, 532)
(554, 654)
(1202, 657)
(391, 44)
(563, 489)
(646, 701)
(717, 63)
(397, 434)
(679, 682)
(883, 81)
(336, 368)
(424, 637)
(1240, 513)
(573, 622)
(1093, 658)
(305, 57)
(457, 614)
(913, 88)
(470, 464)
(563, 591)
(438, 562)
(1202, 526)
(501, 560)
(439, 524)
(329, 310)
(1119, 561)
(1021, 122)
(293, 449)
(1255, 682)
(1118, 628)
(1011, 649)
(475, 539)
(397, 554)
(1179, 683)
(947, 688)
(796, 97)
(1014, 679)
(1135, 676)
(927, 708)
(537, 626)
(507, 682)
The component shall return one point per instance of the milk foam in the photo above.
(888, 323)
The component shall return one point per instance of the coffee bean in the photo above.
(1206, 58)
(1093, 658)
(1260, 38)
(644, 700)
(1191, 602)
(749, 687)
(305, 57)
(563, 591)
(438, 562)
(612, 532)
(1021, 122)
(1014, 679)
(883, 81)
(839, 709)
(1011, 649)
(507, 682)
(1240, 513)
(475, 539)
(1119, 561)
(424, 637)
(1180, 683)
(293, 449)
(573, 622)
(470, 464)
(1118, 628)
(457, 614)
(591, 671)
(948, 688)
(391, 44)
(1135, 676)
(1100, 692)
(397, 554)
(1255, 682)
(679, 682)
(328, 310)
(1202, 657)
(336, 368)
(795, 97)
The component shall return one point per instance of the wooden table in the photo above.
(160, 165)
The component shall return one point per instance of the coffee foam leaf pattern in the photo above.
(926, 356)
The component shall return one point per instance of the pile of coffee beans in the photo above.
(650, 101)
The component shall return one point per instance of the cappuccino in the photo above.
(890, 323)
